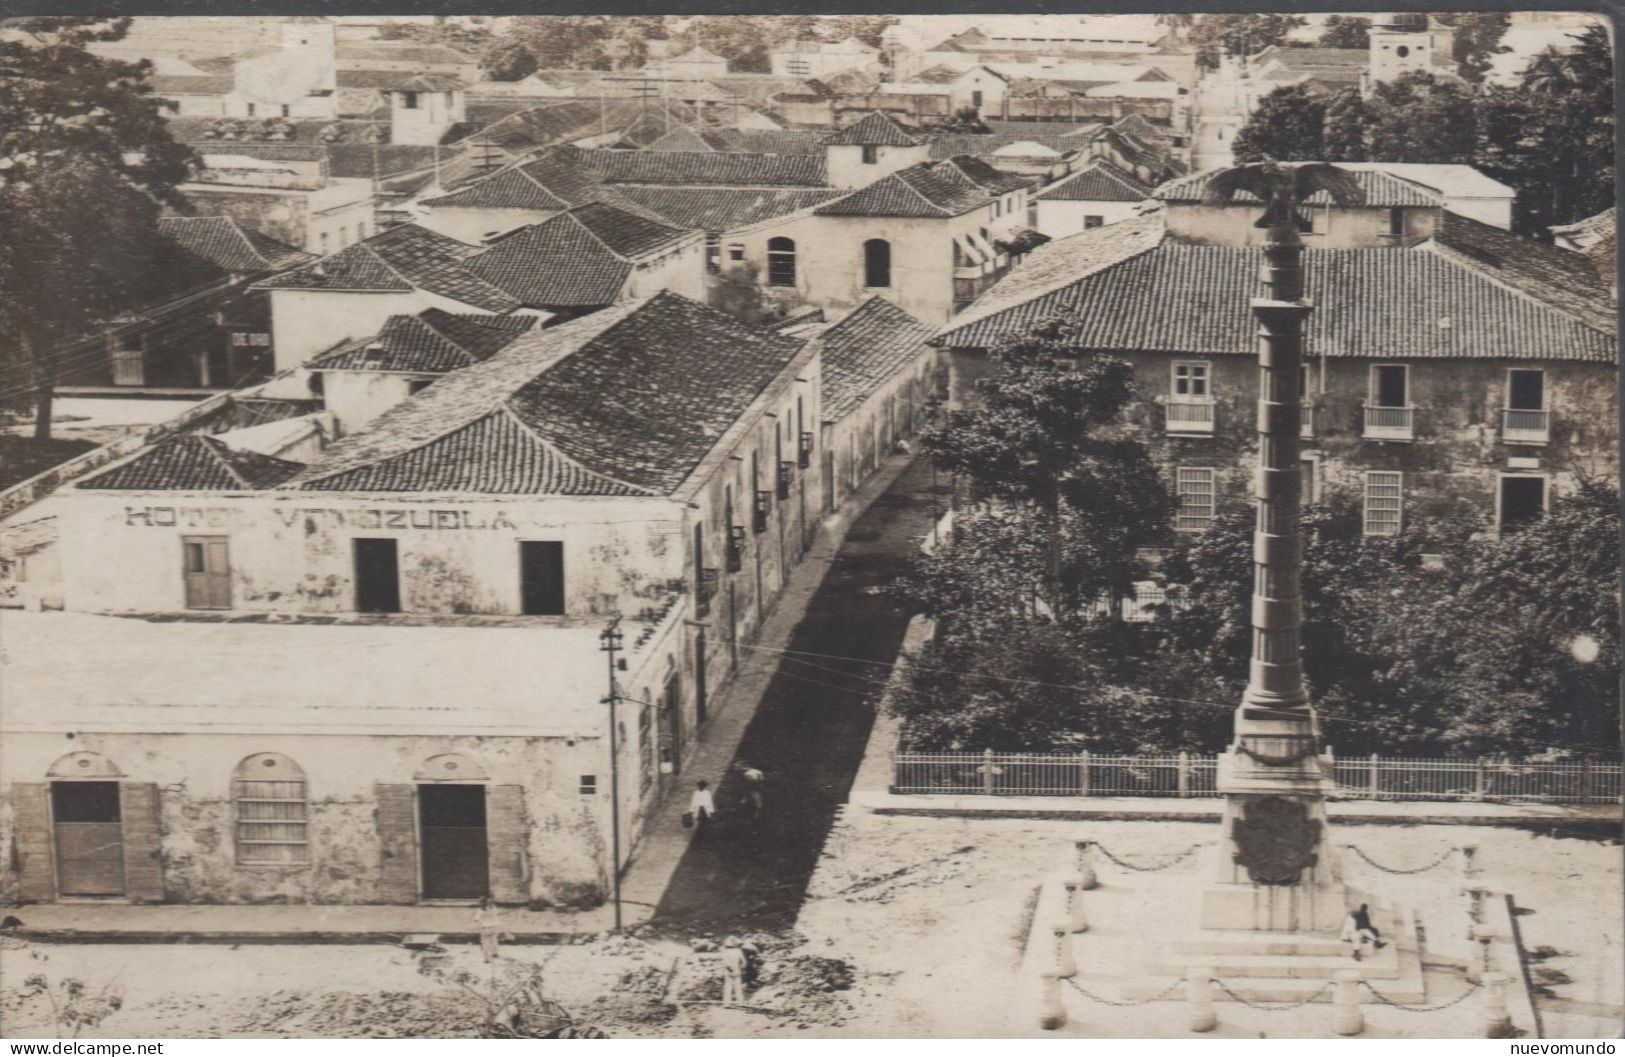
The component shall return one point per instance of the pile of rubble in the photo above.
(373, 1015)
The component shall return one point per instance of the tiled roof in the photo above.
(946, 145)
(1356, 57)
(229, 246)
(718, 209)
(1041, 129)
(402, 258)
(194, 462)
(431, 342)
(402, 51)
(265, 151)
(1100, 181)
(399, 80)
(1380, 188)
(1604, 223)
(627, 400)
(367, 160)
(772, 141)
(861, 352)
(945, 188)
(942, 74)
(541, 184)
(700, 168)
(1547, 273)
(688, 139)
(875, 130)
(1385, 302)
(577, 259)
(208, 84)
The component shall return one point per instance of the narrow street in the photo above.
(808, 735)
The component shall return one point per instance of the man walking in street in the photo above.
(754, 781)
(702, 807)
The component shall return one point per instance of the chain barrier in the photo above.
(1440, 861)
(1175, 861)
(1080, 989)
(1385, 1000)
(1313, 996)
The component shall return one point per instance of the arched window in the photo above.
(268, 790)
(877, 263)
(781, 262)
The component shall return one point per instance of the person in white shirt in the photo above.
(701, 806)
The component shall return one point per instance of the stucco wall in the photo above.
(1060, 219)
(305, 322)
(566, 837)
(357, 397)
(1348, 228)
(293, 554)
(847, 169)
(682, 271)
(1451, 466)
(829, 257)
(475, 225)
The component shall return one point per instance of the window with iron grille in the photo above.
(1198, 493)
(268, 790)
(1384, 502)
(764, 501)
(736, 548)
(804, 453)
(787, 471)
(646, 756)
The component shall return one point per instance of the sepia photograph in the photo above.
(909, 526)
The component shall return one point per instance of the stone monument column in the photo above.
(1276, 868)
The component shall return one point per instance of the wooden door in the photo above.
(377, 576)
(454, 847)
(541, 577)
(89, 836)
(207, 573)
(699, 676)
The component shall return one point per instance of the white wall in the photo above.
(475, 225)
(847, 169)
(291, 552)
(357, 397)
(681, 271)
(1058, 219)
(306, 322)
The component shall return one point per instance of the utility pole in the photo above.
(610, 645)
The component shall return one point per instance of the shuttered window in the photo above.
(1197, 491)
(272, 810)
(1384, 501)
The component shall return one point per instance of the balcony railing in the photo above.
(736, 548)
(1389, 423)
(764, 502)
(704, 590)
(804, 451)
(1524, 426)
(1306, 431)
(787, 472)
(1190, 418)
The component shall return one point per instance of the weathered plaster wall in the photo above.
(565, 838)
(682, 271)
(292, 553)
(1059, 219)
(306, 322)
(830, 257)
(476, 225)
(357, 397)
(1453, 463)
(1344, 228)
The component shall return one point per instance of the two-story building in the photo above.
(1098, 194)
(1452, 368)
(284, 190)
(376, 677)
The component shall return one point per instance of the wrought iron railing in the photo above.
(1194, 774)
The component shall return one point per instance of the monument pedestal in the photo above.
(1275, 868)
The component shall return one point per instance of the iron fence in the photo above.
(1195, 774)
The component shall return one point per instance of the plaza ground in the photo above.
(927, 917)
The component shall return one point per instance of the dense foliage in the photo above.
(1238, 36)
(89, 158)
(1551, 136)
(618, 42)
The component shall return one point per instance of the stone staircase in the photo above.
(1276, 967)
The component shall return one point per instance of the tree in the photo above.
(1476, 39)
(744, 40)
(1511, 645)
(1344, 128)
(1345, 31)
(1288, 125)
(1568, 100)
(566, 41)
(1417, 117)
(867, 28)
(1239, 36)
(89, 158)
(508, 60)
(1038, 437)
